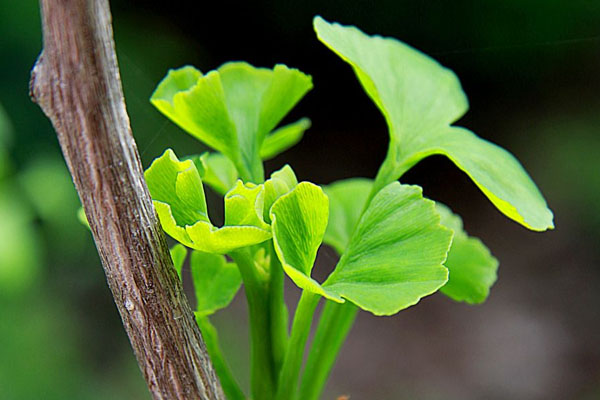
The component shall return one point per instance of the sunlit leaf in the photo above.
(420, 99)
(178, 195)
(299, 219)
(283, 138)
(347, 200)
(216, 282)
(232, 109)
(472, 268)
(395, 255)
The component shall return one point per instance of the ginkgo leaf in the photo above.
(216, 282)
(393, 258)
(232, 109)
(280, 183)
(178, 195)
(299, 219)
(472, 268)
(283, 138)
(347, 200)
(395, 255)
(178, 255)
(216, 170)
(420, 99)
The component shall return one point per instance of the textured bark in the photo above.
(76, 83)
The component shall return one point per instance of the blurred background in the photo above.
(531, 70)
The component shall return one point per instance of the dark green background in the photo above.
(531, 71)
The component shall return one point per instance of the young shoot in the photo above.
(395, 246)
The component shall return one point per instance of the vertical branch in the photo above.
(76, 83)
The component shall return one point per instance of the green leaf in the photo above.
(233, 108)
(178, 195)
(216, 170)
(280, 183)
(299, 219)
(178, 254)
(216, 282)
(283, 138)
(395, 252)
(472, 268)
(395, 255)
(420, 99)
(347, 200)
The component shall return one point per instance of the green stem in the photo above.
(262, 376)
(290, 371)
(211, 338)
(337, 319)
(278, 310)
(334, 325)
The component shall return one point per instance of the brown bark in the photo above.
(76, 83)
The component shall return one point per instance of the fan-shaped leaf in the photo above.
(419, 100)
(233, 108)
(395, 255)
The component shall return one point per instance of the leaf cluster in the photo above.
(395, 246)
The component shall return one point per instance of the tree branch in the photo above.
(76, 83)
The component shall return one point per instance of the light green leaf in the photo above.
(419, 100)
(280, 183)
(299, 219)
(233, 108)
(395, 255)
(472, 268)
(178, 255)
(178, 195)
(216, 282)
(216, 170)
(244, 205)
(283, 138)
(347, 200)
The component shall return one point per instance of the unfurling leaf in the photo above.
(299, 219)
(472, 269)
(280, 183)
(178, 195)
(233, 108)
(420, 99)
